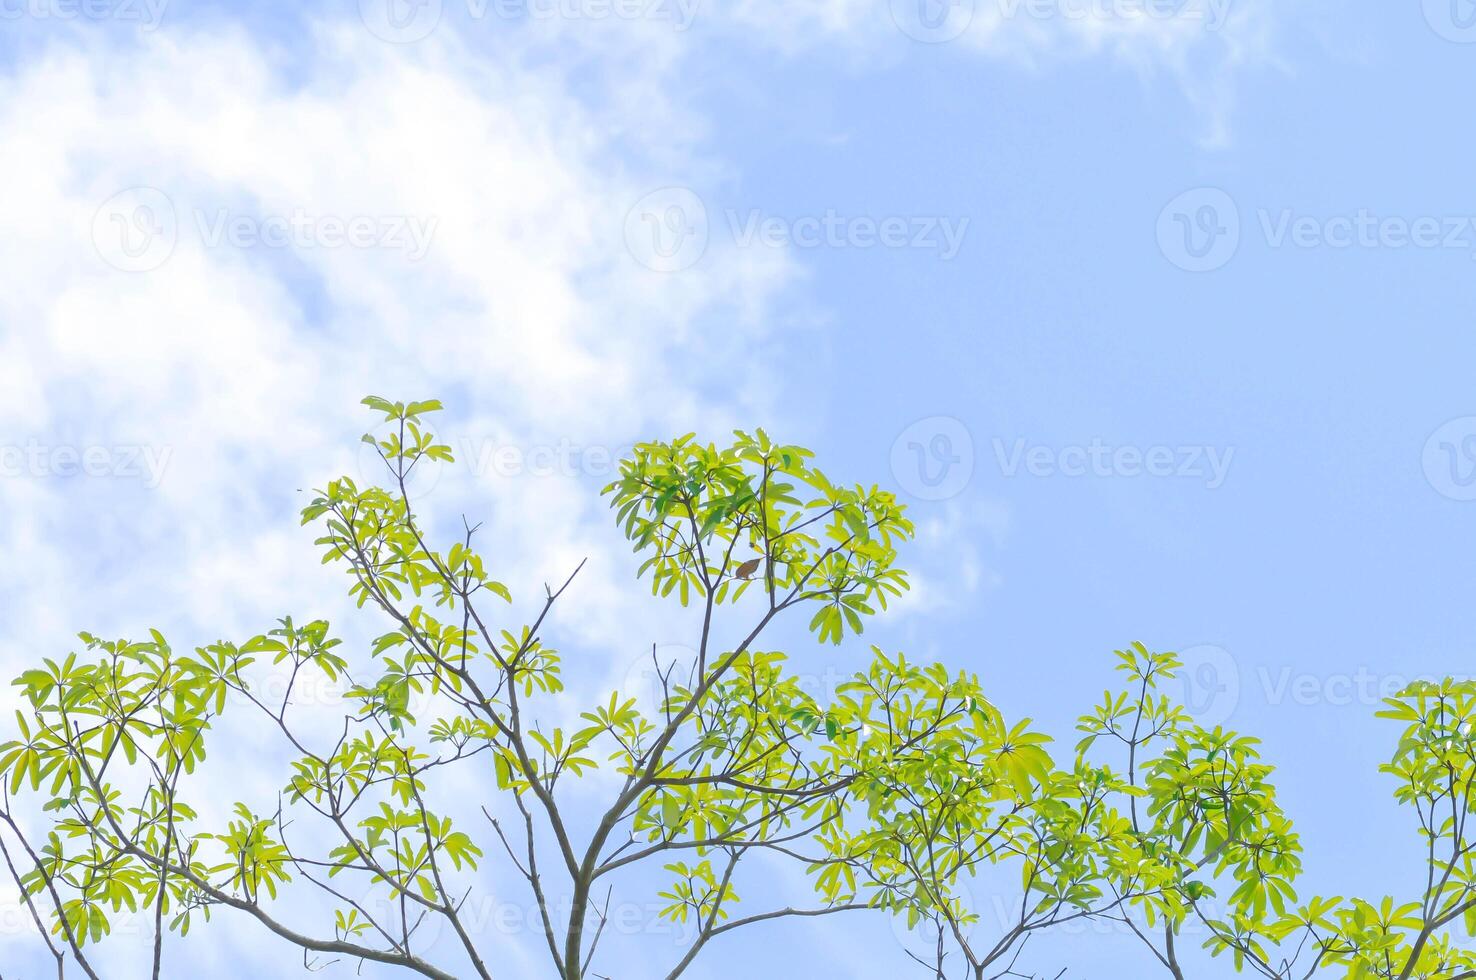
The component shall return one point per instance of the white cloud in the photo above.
(240, 367)
(1201, 45)
(244, 364)
(946, 562)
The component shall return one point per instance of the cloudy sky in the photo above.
(1158, 311)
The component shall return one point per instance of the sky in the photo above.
(1157, 313)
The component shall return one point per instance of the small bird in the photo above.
(747, 569)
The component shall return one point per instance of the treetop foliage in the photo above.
(902, 792)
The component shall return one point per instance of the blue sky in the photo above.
(1174, 301)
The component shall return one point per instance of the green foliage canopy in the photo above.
(899, 793)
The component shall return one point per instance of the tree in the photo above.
(1434, 764)
(900, 792)
(1202, 818)
(1142, 847)
(738, 759)
(1189, 833)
